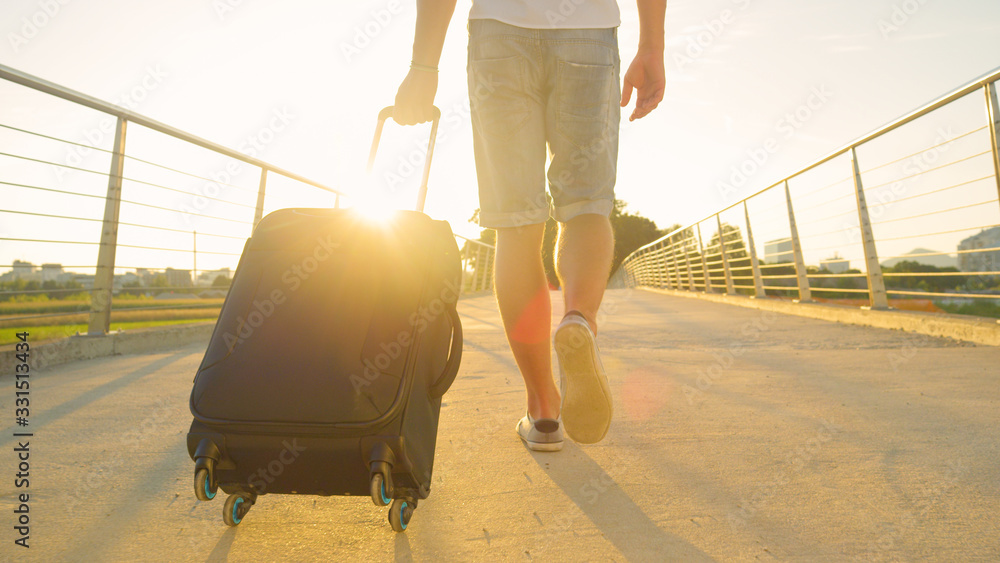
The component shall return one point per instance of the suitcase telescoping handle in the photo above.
(387, 113)
(440, 386)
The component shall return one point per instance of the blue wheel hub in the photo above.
(236, 510)
(385, 499)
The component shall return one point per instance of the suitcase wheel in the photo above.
(400, 514)
(204, 488)
(237, 506)
(381, 496)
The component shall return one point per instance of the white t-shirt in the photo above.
(549, 14)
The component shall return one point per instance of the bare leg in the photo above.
(523, 297)
(586, 247)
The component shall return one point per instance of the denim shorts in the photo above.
(532, 89)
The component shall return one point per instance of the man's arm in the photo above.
(646, 74)
(416, 94)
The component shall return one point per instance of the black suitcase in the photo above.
(325, 372)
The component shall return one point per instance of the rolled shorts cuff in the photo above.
(489, 220)
(596, 206)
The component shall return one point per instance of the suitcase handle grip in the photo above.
(444, 382)
(387, 113)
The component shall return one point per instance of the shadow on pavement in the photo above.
(610, 508)
(221, 550)
(403, 552)
(56, 412)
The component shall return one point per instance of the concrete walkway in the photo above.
(740, 435)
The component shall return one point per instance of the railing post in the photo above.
(194, 270)
(876, 284)
(704, 262)
(802, 275)
(758, 281)
(668, 274)
(993, 113)
(465, 264)
(474, 260)
(676, 265)
(474, 263)
(258, 212)
(654, 267)
(730, 288)
(479, 267)
(687, 263)
(100, 300)
(491, 263)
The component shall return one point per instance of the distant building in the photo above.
(86, 280)
(129, 278)
(51, 272)
(986, 261)
(206, 278)
(178, 278)
(779, 251)
(939, 259)
(835, 265)
(145, 275)
(23, 269)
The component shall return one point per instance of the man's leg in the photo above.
(583, 262)
(586, 245)
(523, 297)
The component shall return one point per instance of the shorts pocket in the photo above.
(496, 96)
(584, 98)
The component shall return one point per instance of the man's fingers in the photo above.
(404, 115)
(626, 92)
(400, 115)
(645, 104)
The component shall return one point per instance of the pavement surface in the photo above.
(739, 435)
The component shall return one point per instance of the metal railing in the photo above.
(477, 264)
(938, 193)
(231, 223)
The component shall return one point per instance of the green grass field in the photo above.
(123, 316)
(55, 332)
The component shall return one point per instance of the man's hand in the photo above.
(415, 98)
(646, 75)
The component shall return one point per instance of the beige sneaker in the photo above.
(586, 397)
(542, 435)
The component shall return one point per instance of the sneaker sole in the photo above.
(542, 446)
(587, 407)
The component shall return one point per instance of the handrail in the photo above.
(969, 88)
(42, 85)
(479, 242)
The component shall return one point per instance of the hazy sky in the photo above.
(309, 77)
